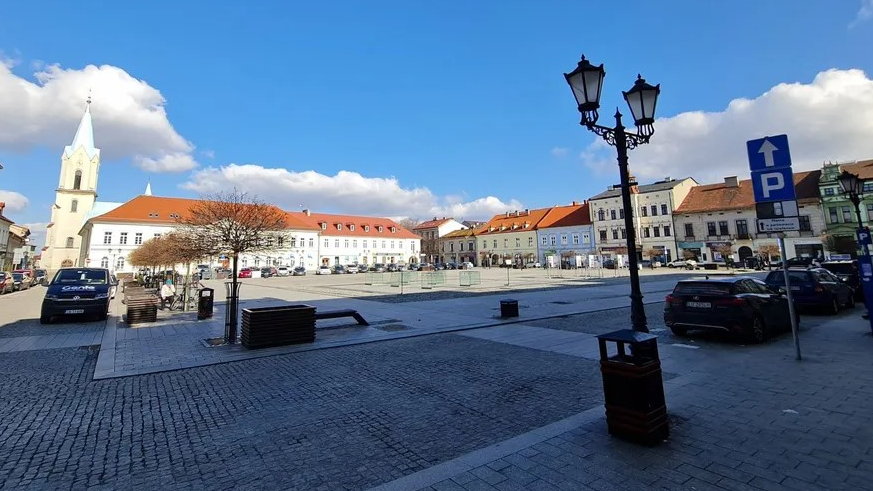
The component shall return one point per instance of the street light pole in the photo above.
(853, 187)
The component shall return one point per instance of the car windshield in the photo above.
(702, 288)
(17, 276)
(80, 277)
(778, 278)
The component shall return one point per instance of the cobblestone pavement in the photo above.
(345, 418)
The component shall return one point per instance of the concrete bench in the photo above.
(335, 314)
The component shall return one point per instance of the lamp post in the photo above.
(586, 81)
(853, 187)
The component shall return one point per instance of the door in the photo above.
(744, 252)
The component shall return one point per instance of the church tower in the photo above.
(74, 197)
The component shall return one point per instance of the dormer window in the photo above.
(153, 215)
(393, 229)
(339, 226)
(352, 227)
(323, 225)
(366, 228)
(379, 228)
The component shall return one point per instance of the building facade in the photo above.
(839, 212)
(74, 198)
(5, 253)
(718, 221)
(431, 232)
(510, 239)
(565, 236)
(653, 206)
(460, 246)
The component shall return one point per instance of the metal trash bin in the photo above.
(205, 300)
(509, 308)
(633, 388)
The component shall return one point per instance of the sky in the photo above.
(417, 109)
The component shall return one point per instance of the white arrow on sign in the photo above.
(767, 149)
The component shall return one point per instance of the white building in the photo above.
(74, 198)
(431, 231)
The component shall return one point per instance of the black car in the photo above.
(741, 306)
(266, 272)
(299, 271)
(848, 272)
(815, 287)
(77, 291)
(338, 269)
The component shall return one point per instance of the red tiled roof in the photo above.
(436, 222)
(457, 234)
(519, 219)
(566, 216)
(721, 196)
(862, 168)
(363, 226)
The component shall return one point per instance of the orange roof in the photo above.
(461, 233)
(513, 221)
(566, 216)
(167, 211)
(351, 225)
(721, 196)
(436, 222)
(862, 168)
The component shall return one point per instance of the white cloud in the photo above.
(37, 233)
(128, 114)
(559, 152)
(345, 192)
(830, 119)
(864, 13)
(14, 201)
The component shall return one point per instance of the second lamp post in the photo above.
(586, 81)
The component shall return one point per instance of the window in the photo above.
(137, 238)
(383, 244)
(603, 235)
(657, 231)
(346, 243)
(644, 211)
(505, 243)
(461, 246)
(564, 239)
(575, 239)
(157, 235)
(470, 245)
(664, 209)
(829, 191)
(742, 229)
(352, 227)
(379, 228)
(312, 242)
(354, 244)
(530, 241)
(553, 239)
(77, 180)
(545, 240)
(324, 225)
(326, 242)
(689, 230)
(366, 228)
(69, 242)
(645, 232)
(600, 215)
(294, 242)
(495, 242)
(451, 247)
(517, 242)
(612, 214)
(339, 226)
(336, 243)
(621, 212)
(666, 230)
(847, 214)
(723, 228)
(74, 206)
(393, 229)
(623, 233)
(615, 233)
(392, 244)
(869, 212)
(107, 237)
(804, 223)
(485, 243)
(119, 264)
(832, 212)
(868, 187)
(122, 238)
(710, 229)
(654, 209)
(104, 263)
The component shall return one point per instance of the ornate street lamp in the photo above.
(853, 187)
(586, 81)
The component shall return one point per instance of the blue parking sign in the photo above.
(768, 153)
(773, 185)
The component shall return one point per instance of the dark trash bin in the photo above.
(632, 387)
(205, 300)
(509, 308)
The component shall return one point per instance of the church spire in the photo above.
(84, 134)
(148, 191)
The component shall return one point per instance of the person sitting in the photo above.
(168, 294)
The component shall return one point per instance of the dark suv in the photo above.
(815, 287)
(77, 291)
(848, 272)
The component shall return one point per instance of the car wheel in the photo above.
(679, 331)
(758, 334)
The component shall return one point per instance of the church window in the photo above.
(104, 263)
(77, 180)
(69, 242)
(107, 237)
(74, 206)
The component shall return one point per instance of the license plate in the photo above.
(795, 288)
(74, 311)
(699, 305)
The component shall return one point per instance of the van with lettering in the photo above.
(78, 292)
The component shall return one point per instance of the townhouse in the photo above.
(430, 232)
(565, 236)
(459, 247)
(839, 213)
(510, 238)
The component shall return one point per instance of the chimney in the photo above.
(2, 205)
(507, 214)
(731, 182)
(307, 212)
(575, 203)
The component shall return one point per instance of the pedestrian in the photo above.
(168, 294)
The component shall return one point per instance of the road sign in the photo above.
(767, 153)
(773, 184)
(864, 237)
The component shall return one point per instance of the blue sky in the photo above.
(402, 108)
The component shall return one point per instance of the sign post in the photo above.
(775, 202)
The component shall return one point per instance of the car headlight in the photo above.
(102, 295)
(50, 297)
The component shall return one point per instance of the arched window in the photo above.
(69, 242)
(104, 263)
(119, 264)
(77, 181)
(74, 206)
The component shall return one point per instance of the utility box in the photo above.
(205, 300)
(632, 386)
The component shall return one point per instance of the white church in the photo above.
(87, 232)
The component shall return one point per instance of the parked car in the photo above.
(426, 267)
(465, 265)
(77, 291)
(439, 266)
(283, 271)
(41, 276)
(352, 269)
(392, 268)
(741, 306)
(609, 263)
(323, 270)
(848, 272)
(245, 273)
(20, 281)
(533, 264)
(266, 272)
(414, 267)
(338, 269)
(815, 287)
(7, 284)
(683, 263)
(299, 271)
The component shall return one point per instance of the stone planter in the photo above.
(278, 326)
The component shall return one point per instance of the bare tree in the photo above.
(686, 254)
(725, 250)
(408, 223)
(768, 251)
(232, 223)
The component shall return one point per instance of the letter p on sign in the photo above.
(770, 182)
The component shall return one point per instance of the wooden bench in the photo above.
(142, 308)
(335, 314)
